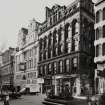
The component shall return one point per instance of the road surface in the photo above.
(27, 100)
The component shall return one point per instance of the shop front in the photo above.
(66, 85)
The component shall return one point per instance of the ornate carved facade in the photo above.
(66, 46)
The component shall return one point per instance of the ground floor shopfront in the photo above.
(99, 81)
(74, 85)
(63, 85)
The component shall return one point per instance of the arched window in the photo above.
(55, 40)
(45, 42)
(98, 16)
(97, 34)
(103, 49)
(66, 30)
(67, 65)
(49, 68)
(74, 65)
(40, 44)
(62, 34)
(61, 66)
(50, 41)
(45, 70)
(69, 32)
(75, 27)
(98, 50)
(60, 40)
(69, 47)
(55, 67)
(104, 31)
(104, 14)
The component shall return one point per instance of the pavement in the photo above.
(27, 100)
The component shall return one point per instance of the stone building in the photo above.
(7, 69)
(100, 46)
(66, 48)
(26, 58)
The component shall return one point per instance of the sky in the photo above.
(15, 14)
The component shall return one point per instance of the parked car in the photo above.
(15, 95)
(98, 99)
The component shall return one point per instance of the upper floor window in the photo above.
(49, 68)
(69, 48)
(104, 31)
(55, 68)
(45, 42)
(97, 33)
(67, 65)
(103, 49)
(69, 32)
(40, 44)
(45, 70)
(74, 65)
(104, 14)
(98, 50)
(55, 17)
(59, 15)
(75, 27)
(61, 66)
(66, 31)
(50, 20)
(41, 70)
(98, 16)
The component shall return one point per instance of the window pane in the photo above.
(104, 14)
(103, 31)
(103, 49)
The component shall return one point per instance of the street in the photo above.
(27, 100)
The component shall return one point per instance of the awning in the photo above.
(23, 89)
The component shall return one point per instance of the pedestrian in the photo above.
(6, 99)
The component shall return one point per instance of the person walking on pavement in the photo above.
(6, 99)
